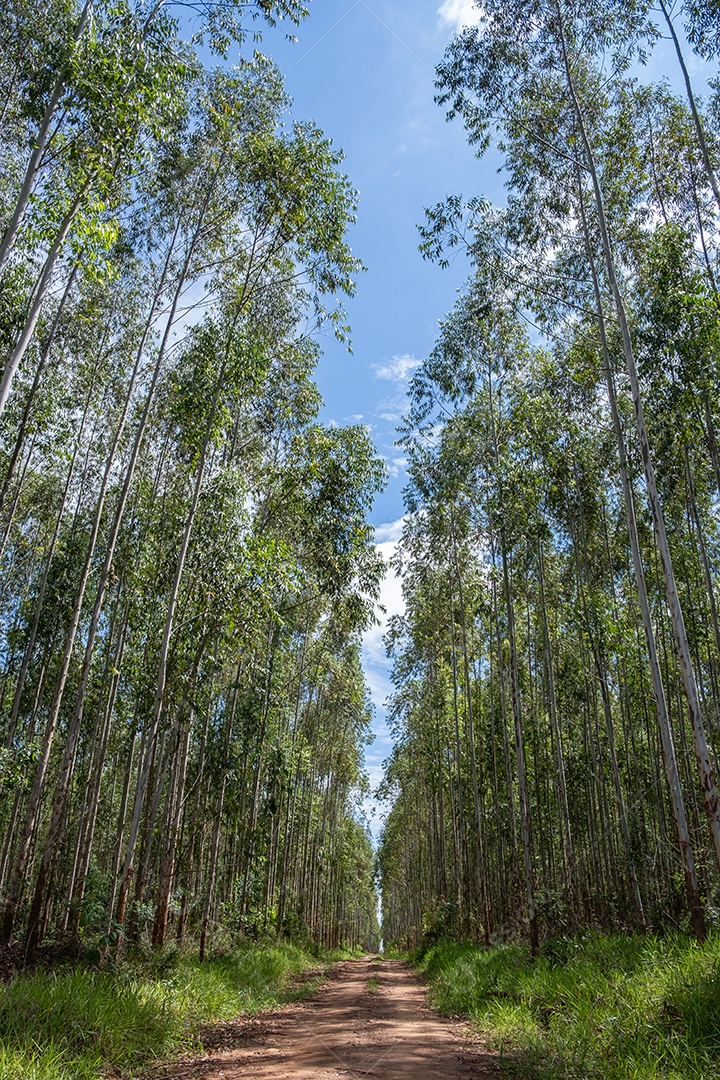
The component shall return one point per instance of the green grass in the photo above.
(373, 985)
(79, 1024)
(598, 1006)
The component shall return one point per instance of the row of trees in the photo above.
(557, 671)
(185, 562)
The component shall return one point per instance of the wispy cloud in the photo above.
(389, 532)
(395, 466)
(378, 682)
(460, 13)
(397, 370)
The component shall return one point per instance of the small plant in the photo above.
(373, 985)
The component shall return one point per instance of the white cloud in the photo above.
(390, 532)
(398, 370)
(387, 536)
(460, 13)
(396, 466)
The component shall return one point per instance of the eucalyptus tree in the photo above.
(555, 121)
(300, 742)
(463, 371)
(160, 577)
(701, 35)
(607, 248)
(296, 230)
(127, 76)
(544, 491)
(189, 261)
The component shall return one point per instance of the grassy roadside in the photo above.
(616, 1007)
(80, 1024)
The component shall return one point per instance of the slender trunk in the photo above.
(525, 820)
(40, 599)
(707, 573)
(711, 440)
(87, 832)
(504, 718)
(702, 141)
(707, 779)
(166, 872)
(7, 529)
(479, 840)
(39, 144)
(22, 427)
(658, 689)
(565, 829)
(113, 928)
(38, 297)
(217, 820)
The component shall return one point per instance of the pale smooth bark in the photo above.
(658, 688)
(710, 794)
(39, 144)
(699, 131)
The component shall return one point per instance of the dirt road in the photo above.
(371, 1020)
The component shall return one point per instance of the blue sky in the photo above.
(363, 70)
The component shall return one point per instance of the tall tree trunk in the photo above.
(39, 144)
(166, 870)
(566, 840)
(702, 141)
(658, 689)
(39, 294)
(217, 819)
(525, 819)
(44, 356)
(710, 795)
(479, 838)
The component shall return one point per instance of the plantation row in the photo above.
(557, 672)
(185, 562)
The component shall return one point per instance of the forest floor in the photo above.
(370, 1020)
